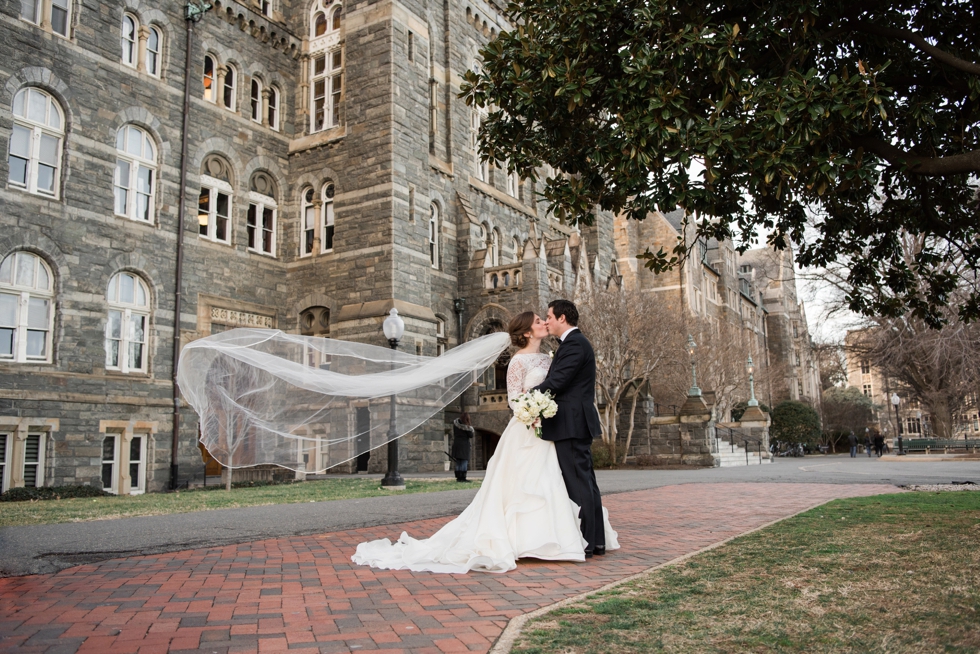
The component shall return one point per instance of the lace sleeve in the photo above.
(515, 378)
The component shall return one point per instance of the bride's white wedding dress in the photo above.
(521, 510)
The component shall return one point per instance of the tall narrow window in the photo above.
(256, 98)
(494, 247)
(326, 65)
(434, 236)
(127, 323)
(326, 239)
(261, 221)
(308, 228)
(154, 43)
(517, 250)
(34, 461)
(59, 16)
(134, 181)
(214, 202)
(274, 108)
(327, 79)
(266, 7)
(34, 158)
(411, 46)
(482, 167)
(26, 308)
(209, 91)
(513, 183)
(109, 474)
(4, 457)
(129, 40)
(230, 89)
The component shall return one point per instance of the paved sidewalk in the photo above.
(302, 594)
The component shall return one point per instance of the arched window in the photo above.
(210, 93)
(214, 203)
(135, 179)
(34, 158)
(434, 235)
(274, 108)
(26, 308)
(517, 250)
(230, 88)
(326, 65)
(308, 228)
(154, 45)
(319, 24)
(130, 40)
(262, 209)
(513, 183)
(326, 238)
(494, 248)
(128, 321)
(256, 98)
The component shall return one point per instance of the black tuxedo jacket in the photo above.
(571, 381)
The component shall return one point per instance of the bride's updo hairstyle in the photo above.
(519, 326)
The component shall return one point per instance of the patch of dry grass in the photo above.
(894, 573)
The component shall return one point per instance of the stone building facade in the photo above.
(331, 174)
(754, 293)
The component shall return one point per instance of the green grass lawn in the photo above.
(892, 573)
(126, 506)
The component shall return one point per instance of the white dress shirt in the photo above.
(567, 332)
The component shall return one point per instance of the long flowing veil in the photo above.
(309, 403)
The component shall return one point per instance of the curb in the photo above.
(505, 641)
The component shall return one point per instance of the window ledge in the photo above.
(316, 140)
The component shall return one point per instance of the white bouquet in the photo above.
(531, 407)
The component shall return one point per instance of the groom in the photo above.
(571, 381)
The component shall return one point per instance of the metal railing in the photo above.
(746, 440)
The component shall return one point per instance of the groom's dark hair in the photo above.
(565, 308)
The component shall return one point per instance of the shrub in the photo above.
(794, 422)
(51, 493)
(604, 457)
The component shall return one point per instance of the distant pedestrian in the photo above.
(867, 443)
(462, 441)
(852, 440)
(879, 442)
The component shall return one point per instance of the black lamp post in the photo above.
(393, 327)
(898, 422)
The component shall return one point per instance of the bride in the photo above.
(521, 510)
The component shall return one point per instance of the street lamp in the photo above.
(393, 328)
(898, 422)
(691, 347)
(750, 367)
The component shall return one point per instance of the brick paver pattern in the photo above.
(302, 593)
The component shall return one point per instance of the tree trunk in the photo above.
(629, 434)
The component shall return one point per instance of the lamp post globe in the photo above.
(394, 329)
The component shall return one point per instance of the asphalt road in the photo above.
(49, 548)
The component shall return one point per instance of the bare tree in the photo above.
(936, 365)
(636, 335)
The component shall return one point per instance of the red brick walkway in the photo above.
(302, 593)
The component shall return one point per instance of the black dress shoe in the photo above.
(599, 551)
(588, 555)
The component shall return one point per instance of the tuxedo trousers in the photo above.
(575, 461)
